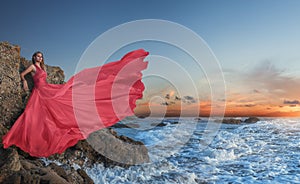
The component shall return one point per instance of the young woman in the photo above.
(37, 60)
(57, 116)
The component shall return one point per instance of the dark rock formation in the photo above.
(13, 98)
(161, 124)
(127, 125)
(120, 125)
(238, 121)
(251, 120)
(173, 122)
(197, 119)
(105, 146)
(16, 166)
(229, 121)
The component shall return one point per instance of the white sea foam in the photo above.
(264, 152)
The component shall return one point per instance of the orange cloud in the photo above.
(262, 91)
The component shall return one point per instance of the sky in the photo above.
(256, 43)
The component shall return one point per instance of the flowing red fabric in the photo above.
(57, 116)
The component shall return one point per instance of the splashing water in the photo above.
(265, 152)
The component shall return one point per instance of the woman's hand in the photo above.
(25, 85)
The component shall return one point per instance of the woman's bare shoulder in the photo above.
(31, 68)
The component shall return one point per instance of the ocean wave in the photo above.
(264, 152)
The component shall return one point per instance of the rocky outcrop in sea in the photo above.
(103, 146)
(237, 120)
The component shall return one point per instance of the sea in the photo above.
(188, 150)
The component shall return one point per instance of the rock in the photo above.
(251, 120)
(127, 125)
(16, 166)
(85, 177)
(118, 150)
(229, 121)
(9, 163)
(13, 97)
(3, 131)
(120, 125)
(197, 119)
(35, 172)
(133, 125)
(105, 146)
(161, 124)
(59, 170)
(16, 169)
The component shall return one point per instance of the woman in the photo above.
(57, 116)
(37, 60)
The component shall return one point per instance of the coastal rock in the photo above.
(237, 121)
(13, 98)
(230, 121)
(173, 122)
(14, 168)
(251, 120)
(18, 167)
(103, 146)
(120, 125)
(161, 124)
(127, 125)
(197, 119)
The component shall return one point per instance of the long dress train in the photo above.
(57, 116)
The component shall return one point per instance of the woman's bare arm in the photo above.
(25, 72)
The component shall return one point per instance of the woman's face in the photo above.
(39, 57)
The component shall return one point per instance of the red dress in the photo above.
(57, 116)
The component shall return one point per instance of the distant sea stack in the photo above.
(17, 166)
(237, 121)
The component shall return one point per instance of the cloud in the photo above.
(263, 84)
(165, 103)
(177, 98)
(172, 100)
(246, 105)
(167, 96)
(270, 79)
(188, 99)
(294, 102)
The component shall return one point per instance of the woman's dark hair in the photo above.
(42, 63)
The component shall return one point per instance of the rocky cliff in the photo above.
(12, 97)
(103, 146)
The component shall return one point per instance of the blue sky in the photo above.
(238, 31)
(244, 35)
